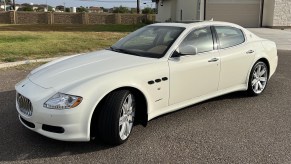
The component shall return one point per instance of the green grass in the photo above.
(22, 42)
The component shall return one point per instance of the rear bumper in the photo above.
(273, 65)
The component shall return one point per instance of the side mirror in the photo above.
(188, 50)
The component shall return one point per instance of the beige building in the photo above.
(248, 13)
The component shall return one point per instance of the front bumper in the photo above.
(65, 125)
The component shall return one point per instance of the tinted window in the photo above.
(201, 39)
(149, 41)
(229, 36)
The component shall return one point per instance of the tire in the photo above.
(258, 79)
(115, 121)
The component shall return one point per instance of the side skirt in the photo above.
(196, 100)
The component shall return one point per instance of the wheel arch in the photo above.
(141, 115)
(262, 59)
(266, 61)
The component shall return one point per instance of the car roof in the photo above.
(189, 24)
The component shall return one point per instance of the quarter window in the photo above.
(229, 36)
(200, 39)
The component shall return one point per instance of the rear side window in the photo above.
(229, 36)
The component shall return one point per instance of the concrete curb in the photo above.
(13, 64)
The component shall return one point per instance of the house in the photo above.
(93, 9)
(247, 13)
(5, 6)
(60, 8)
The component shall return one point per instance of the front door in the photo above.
(196, 75)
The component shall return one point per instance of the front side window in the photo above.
(229, 36)
(149, 41)
(200, 39)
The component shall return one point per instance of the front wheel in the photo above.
(116, 117)
(258, 79)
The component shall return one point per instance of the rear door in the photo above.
(236, 56)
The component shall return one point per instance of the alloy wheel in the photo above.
(259, 78)
(127, 114)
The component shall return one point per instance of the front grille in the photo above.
(24, 105)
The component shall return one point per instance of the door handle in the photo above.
(213, 60)
(250, 51)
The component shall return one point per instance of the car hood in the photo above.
(81, 67)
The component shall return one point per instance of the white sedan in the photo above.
(155, 70)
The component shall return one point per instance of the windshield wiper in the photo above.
(123, 51)
(113, 49)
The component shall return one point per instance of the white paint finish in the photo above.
(235, 59)
(196, 100)
(273, 59)
(100, 62)
(74, 121)
(193, 76)
(191, 79)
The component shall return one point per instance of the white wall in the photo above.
(171, 9)
(201, 16)
(189, 10)
(164, 12)
(268, 14)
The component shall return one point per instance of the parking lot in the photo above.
(230, 129)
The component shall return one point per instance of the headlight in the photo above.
(62, 101)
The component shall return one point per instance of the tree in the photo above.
(27, 8)
(68, 9)
(6, 1)
(121, 9)
(104, 9)
(50, 8)
(148, 10)
(82, 9)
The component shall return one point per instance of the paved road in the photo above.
(230, 129)
(281, 37)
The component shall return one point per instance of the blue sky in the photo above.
(85, 3)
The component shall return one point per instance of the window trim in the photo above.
(214, 41)
(218, 41)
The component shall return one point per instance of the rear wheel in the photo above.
(258, 78)
(116, 117)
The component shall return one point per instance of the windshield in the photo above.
(149, 41)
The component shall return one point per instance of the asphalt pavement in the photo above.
(282, 38)
(230, 129)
